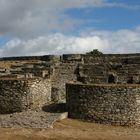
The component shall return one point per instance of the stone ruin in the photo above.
(101, 89)
(17, 95)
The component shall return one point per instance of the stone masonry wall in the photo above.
(19, 95)
(62, 73)
(87, 69)
(111, 104)
(119, 69)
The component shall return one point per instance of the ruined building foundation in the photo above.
(105, 88)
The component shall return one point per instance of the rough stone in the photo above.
(21, 94)
(112, 104)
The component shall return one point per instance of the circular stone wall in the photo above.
(112, 104)
(19, 95)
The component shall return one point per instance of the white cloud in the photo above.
(32, 18)
(31, 23)
(52, 44)
(121, 41)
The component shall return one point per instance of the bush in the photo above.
(95, 53)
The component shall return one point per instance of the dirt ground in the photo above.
(72, 129)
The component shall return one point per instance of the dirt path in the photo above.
(72, 129)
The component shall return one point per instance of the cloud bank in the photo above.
(32, 18)
(39, 27)
(121, 41)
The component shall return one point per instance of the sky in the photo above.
(41, 27)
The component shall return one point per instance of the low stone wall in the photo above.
(19, 95)
(110, 104)
(92, 73)
(72, 57)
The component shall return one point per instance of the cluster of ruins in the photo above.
(101, 89)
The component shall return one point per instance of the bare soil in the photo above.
(72, 129)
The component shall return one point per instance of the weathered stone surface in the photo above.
(72, 57)
(53, 72)
(113, 104)
(115, 68)
(62, 74)
(22, 94)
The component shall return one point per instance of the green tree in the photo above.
(95, 53)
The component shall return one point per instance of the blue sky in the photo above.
(128, 2)
(38, 27)
(3, 40)
(108, 18)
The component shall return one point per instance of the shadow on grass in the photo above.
(55, 108)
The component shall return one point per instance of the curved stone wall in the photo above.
(19, 95)
(111, 104)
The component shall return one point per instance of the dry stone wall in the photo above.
(124, 68)
(21, 94)
(119, 69)
(116, 68)
(62, 73)
(92, 73)
(111, 104)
